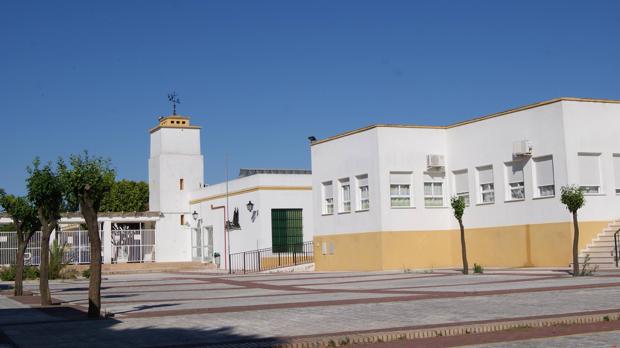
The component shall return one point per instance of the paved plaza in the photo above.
(201, 309)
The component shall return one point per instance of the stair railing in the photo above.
(285, 255)
(616, 247)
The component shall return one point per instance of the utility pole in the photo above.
(227, 229)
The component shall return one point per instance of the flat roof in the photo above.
(462, 123)
(243, 172)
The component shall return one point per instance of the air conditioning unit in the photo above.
(435, 162)
(521, 148)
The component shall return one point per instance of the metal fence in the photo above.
(8, 249)
(77, 246)
(133, 246)
(126, 246)
(266, 259)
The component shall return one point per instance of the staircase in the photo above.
(601, 249)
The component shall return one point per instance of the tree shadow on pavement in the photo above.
(65, 326)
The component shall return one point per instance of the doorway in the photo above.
(197, 244)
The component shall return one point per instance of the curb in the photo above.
(439, 331)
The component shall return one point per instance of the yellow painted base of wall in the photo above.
(539, 245)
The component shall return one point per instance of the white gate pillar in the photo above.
(107, 242)
(53, 236)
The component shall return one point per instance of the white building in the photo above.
(193, 215)
(381, 193)
(378, 197)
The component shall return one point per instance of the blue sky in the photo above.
(262, 76)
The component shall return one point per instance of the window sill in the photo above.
(485, 203)
(344, 212)
(514, 200)
(543, 197)
(361, 210)
(594, 194)
(412, 207)
(327, 214)
(442, 207)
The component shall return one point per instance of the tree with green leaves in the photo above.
(127, 196)
(7, 227)
(572, 197)
(458, 207)
(45, 191)
(86, 180)
(24, 216)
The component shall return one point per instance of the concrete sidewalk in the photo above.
(197, 308)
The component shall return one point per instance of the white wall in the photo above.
(594, 127)
(490, 142)
(172, 241)
(561, 129)
(266, 191)
(405, 149)
(346, 157)
(175, 155)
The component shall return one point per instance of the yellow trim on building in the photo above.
(252, 189)
(534, 245)
(174, 121)
(466, 122)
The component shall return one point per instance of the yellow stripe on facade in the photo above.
(473, 120)
(530, 245)
(252, 189)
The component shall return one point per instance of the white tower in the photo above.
(176, 168)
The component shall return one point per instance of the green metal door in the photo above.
(286, 230)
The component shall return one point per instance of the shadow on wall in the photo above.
(68, 327)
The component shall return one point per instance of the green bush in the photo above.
(31, 272)
(478, 268)
(86, 273)
(8, 273)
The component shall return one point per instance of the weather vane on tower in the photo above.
(174, 99)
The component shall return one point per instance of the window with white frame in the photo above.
(545, 184)
(328, 198)
(514, 178)
(616, 159)
(590, 172)
(345, 195)
(363, 202)
(461, 184)
(433, 189)
(400, 189)
(486, 186)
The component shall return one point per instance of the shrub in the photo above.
(8, 273)
(86, 273)
(31, 272)
(478, 268)
(586, 269)
(69, 273)
(57, 263)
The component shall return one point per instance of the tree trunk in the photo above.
(575, 245)
(94, 289)
(44, 286)
(463, 248)
(19, 267)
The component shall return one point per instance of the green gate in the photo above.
(286, 230)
